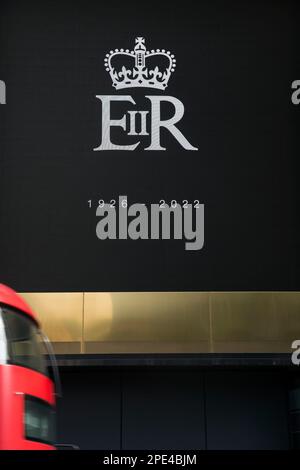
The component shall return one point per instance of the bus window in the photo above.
(39, 420)
(24, 345)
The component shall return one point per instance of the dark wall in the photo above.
(174, 409)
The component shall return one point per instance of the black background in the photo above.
(174, 409)
(236, 61)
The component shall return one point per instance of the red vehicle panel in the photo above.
(9, 297)
(15, 383)
(27, 394)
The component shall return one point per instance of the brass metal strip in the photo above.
(179, 322)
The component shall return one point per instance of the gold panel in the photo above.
(287, 309)
(254, 321)
(148, 322)
(243, 316)
(61, 317)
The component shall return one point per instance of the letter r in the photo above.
(157, 123)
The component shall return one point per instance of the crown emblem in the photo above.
(139, 67)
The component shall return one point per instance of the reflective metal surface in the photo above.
(151, 322)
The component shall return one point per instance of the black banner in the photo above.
(132, 459)
(232, 70)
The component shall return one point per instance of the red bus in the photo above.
(27, 392)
